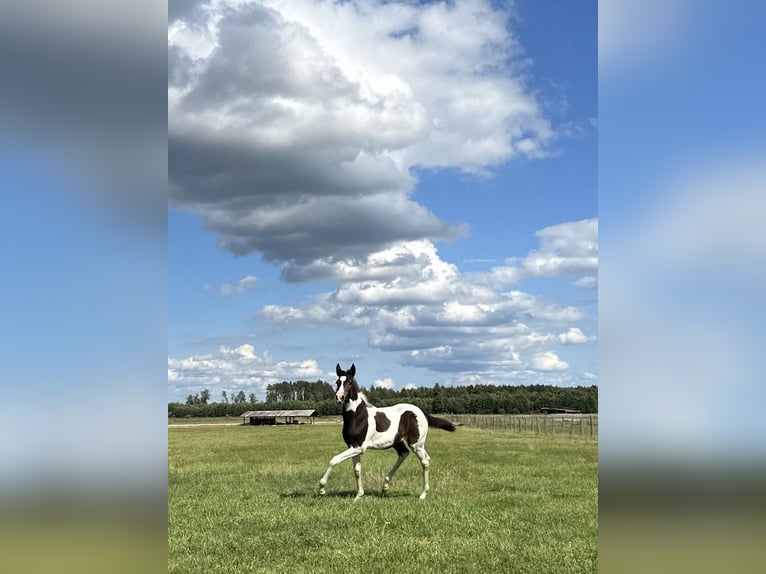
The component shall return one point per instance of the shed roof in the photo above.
(271, 414)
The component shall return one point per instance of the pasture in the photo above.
(244, 499)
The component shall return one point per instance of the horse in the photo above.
(367, 427)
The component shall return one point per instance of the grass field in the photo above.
(243, 499)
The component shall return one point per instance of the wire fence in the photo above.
(558, 424)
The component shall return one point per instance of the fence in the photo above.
(560, 424)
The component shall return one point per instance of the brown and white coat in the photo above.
(368, 427)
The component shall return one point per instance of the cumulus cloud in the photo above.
(233, 367)
(244, 284)
(548, 361)
(565, 249)
(411, 301)
(574, 337)
(387, 383)
(587, 282)
(294, 126)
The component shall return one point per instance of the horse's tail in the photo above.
(438, 423)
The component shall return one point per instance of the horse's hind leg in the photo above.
(402, 451)
(425, 462)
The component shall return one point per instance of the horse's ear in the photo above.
(352, 370)
(338, 370)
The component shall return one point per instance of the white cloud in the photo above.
(240, 366)
(411, 301)
(410, 387)
(587, 282)
(574, 337)
(548, 361)
(245, 284)
(565, 249)
(431, 300)
(528, 375)
(387, 383)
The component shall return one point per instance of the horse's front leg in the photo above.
(337, 459)
(358, 474)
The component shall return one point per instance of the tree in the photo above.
(438, 402)
(204, 396)
(224, 398)
(322, 391)
(240, 397)
(253, 398)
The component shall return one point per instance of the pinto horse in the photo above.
(366, 426)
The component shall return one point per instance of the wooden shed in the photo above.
(279, 417)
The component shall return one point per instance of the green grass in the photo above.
(243, 499)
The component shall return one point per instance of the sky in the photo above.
(410, 187)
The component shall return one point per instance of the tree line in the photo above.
(203, 398)
(320, 395)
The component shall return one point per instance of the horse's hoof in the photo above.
(422, 496)
(322, 492)
(358, 496)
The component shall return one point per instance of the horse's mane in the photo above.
(366, 402)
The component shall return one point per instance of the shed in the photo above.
(552, 410)
(558, 414)
(279, 417)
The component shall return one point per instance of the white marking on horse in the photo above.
(341, 385)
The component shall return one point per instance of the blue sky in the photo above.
(420, 199)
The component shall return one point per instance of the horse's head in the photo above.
(345, 386)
